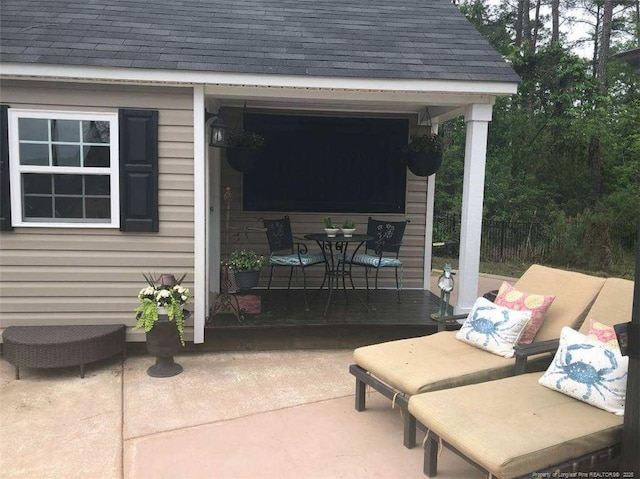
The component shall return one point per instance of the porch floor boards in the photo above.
(283, 322)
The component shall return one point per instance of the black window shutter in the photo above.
(138, 170)
(5, 189)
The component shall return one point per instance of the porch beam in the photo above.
(477, 118)
(445, 113)
(417, 99)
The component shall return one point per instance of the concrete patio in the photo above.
(269, 414)
(265, 414)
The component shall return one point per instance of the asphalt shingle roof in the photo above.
(408, 39)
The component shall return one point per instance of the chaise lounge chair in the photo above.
(399, 369)
(513, 427)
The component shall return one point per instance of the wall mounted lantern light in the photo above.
(217, 130)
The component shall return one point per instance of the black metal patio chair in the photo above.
(380, 252)
(288, 253)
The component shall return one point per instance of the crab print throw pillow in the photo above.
(511, 298)
(588, 370)
(493, 328)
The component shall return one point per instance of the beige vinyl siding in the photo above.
(411, 252)
(92, 276)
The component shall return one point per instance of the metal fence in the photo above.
(523, 241)
(511, 241)
(501, 240)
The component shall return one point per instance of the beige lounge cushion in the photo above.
(430, 363)
(613, 305)
(440, 361)
(514, 426)
(574, 292)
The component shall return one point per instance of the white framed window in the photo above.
(64, 169)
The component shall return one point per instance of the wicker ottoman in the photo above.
(62, 346)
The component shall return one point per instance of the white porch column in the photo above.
(214, 195)
(477, 118)
(428, 232)
(200, 215)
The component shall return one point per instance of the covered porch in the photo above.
(423, 104)
(282, 321)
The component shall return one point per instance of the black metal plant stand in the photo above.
(225, 302)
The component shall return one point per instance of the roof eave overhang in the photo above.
(228, 80)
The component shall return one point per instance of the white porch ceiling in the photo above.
(442, 105)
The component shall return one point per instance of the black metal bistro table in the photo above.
(334, 268)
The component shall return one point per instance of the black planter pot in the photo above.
(424, 163)
(243, 159)
(246, 279)
(163, 341)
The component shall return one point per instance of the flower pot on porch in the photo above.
(246, 279)
(163, 341)
(242, 159)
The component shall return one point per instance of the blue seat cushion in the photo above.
(371, 260)
(294, 260)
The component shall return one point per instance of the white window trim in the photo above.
(15, 169)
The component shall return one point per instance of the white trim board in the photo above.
(189, 78)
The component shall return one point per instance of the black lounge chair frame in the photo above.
(364, 378)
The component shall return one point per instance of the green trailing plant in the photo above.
(349, 225)
(328, 223)
(246, 260)
(429, 143)
(245, 139)
(156, 295)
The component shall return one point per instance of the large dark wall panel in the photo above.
(327, 164)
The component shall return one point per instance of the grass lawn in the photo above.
(512, 270)
(625, 268)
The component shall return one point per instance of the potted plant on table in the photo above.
(424, 154)
(348, 228)
(330, 228)
(246, 265)
(162, 315)
(244, 149)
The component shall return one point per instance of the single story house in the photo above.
(105, 168)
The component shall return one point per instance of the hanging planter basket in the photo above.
(244, 150)
(243, 159)
(424, 163)
(424, 154)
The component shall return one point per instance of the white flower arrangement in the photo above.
(156, 295)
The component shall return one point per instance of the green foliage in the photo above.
(147, 314)
(328, 223)
(245, 139)
(349, 225)
(246, 260)
(429, 143)
(541, 163)
(494, 23)
(448, 194)
(172, 297)
(593, 241)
